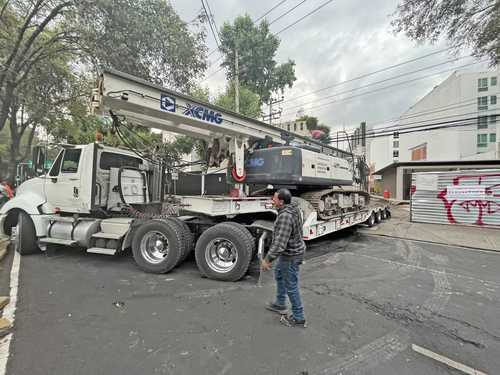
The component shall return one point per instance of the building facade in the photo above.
(297, 126)
(466, 109)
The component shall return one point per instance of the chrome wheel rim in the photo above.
(221, 255)
(154, 247)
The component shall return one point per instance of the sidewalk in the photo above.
(399, 226)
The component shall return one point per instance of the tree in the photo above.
(145, 38)
(311, 122)
(465, 23)
(47, 48)
(258, 69)
(249, 101)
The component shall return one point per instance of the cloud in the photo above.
(343, 40)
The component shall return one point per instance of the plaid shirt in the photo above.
(287, 234)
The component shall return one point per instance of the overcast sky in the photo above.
(343, 40)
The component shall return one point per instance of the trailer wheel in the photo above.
(25, 238)
(187, 237)
(378, 216)
(388, 213)
(157, 246)
(224, 251)
(383, 214)
(371, 220)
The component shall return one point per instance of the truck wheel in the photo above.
(187, 237)
(371, 220)
(157, 246)
(387, 213)
(378, 216)
(25, 240)
(224, 251)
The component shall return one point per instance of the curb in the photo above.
(431, 242)
(4, 249)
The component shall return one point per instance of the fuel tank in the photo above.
(289, 165)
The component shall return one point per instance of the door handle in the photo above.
(74, 179)
(54, 179)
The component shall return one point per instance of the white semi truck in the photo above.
(108, 200)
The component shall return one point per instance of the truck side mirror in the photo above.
(39, 159)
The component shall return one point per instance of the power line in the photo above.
(258, 19)
(390, 86)
(396, 128)
(269, 11)
(369, 74)
(381, 81)
(471, 121)
(210, 21)
(307, 15)
(287, 12)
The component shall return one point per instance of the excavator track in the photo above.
(317, 199)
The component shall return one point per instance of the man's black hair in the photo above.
(285, 195)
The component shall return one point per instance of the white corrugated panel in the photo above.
(469, 197)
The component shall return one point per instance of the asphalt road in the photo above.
(368, 300)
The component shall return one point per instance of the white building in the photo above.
(465, 105)
(297, 126)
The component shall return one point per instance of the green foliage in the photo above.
(249, 101)
(145, 38)
(465, 23)
(311, 122)
(258, 69)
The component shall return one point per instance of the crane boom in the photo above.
(153, 106)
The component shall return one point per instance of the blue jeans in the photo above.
(286, 274)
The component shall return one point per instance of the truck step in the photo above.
(108, 236)
(57, 241)
(101, 250)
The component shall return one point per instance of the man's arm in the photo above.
(282, 231)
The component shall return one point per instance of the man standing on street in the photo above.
(289, 247)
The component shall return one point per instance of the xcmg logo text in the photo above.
(202, 113)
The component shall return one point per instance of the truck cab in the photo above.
(78, 183)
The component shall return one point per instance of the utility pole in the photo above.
(276, 114)
(236, 81)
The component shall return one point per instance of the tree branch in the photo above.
(17, 44)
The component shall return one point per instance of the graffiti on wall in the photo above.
(472, 200)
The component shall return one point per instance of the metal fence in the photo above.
(469, 197)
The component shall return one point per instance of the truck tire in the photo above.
(378, 216)
(383, 214)
(224, 251)
(371, 220)
(157, 246)
(187, 237)
(387, 213)
(25, 242)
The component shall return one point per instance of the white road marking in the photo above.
(9, 312)
(449, 362)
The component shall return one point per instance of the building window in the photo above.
(482, 122)
(301, 126)
(493, 137)
(395, 144)
(493, 81)
(482, 84)
(493, 119)
(482, 103)
(395, 135)
(295, 127)
(493, 99)
(482, 140)
(288, 127)
(395, 154)
(419, 153)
